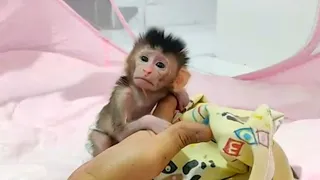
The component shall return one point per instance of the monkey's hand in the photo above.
(183, 99)
(155, 124)
(147, 122)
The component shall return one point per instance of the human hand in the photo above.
(142, 155)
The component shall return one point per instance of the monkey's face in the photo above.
(153, 70)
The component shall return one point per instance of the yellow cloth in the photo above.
(243, 146)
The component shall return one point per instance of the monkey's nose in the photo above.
(147, 71)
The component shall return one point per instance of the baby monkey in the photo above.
(155, 67)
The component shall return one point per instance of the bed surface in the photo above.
(43, 134)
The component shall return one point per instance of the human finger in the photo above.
(179, 135)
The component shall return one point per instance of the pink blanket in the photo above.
(53, 82)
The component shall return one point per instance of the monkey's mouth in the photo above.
(145, 80)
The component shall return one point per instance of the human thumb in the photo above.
(181, 134)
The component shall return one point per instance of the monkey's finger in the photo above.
(181, 134)
(182, 106)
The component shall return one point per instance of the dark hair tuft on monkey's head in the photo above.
(156, 37)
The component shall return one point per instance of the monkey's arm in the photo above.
(120, 110)
(147, 122)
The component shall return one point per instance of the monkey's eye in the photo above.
(144, 58)
(160, 65)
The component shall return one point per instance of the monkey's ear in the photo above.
(181, 80)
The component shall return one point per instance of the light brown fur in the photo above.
(150, 75)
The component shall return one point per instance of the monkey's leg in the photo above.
(100, 142)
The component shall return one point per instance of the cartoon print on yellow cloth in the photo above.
(242, 148)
